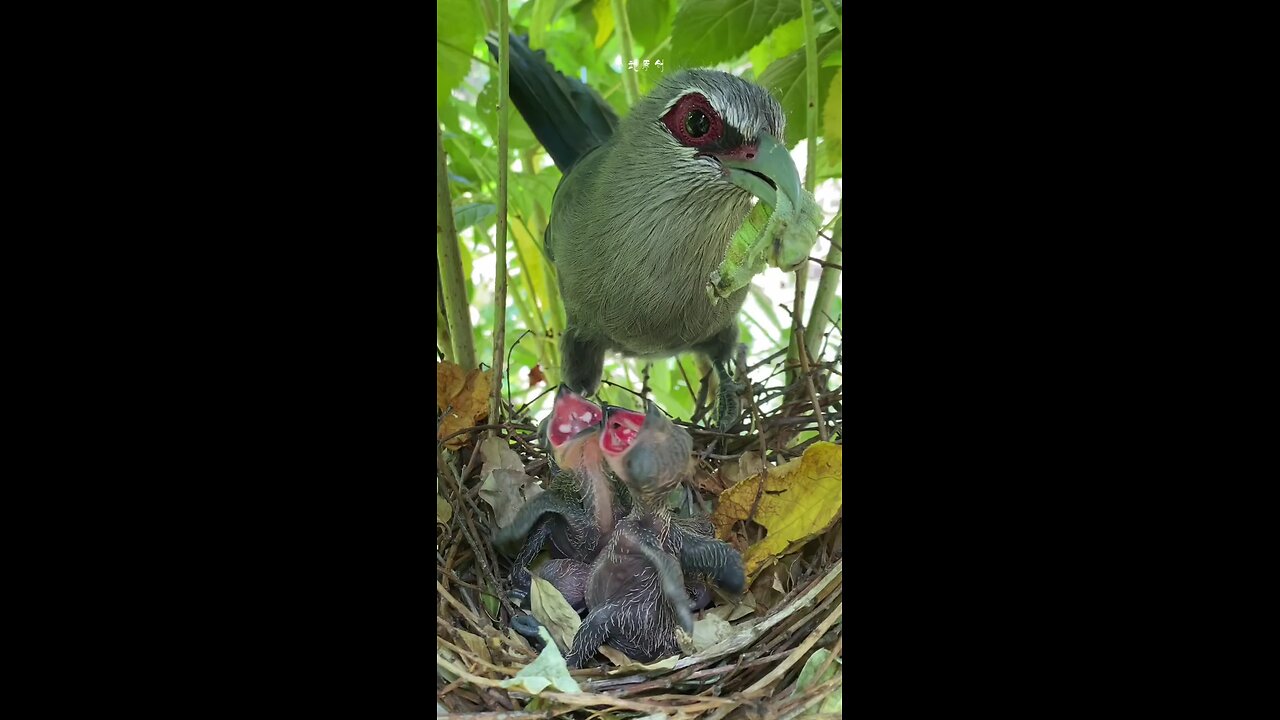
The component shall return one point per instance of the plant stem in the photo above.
(794, 356)
(500, 244)
(629, 81)
(826, 290)
(443, 341)
(454, 286)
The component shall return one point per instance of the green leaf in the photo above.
(518, 132)
(831, 116)
(548, 670)
(490, 602)
(785, 79)
(458, 149)
(787, 38)
(464, 216)
(808, 678)
(459, 26)
(833, 60)
(712, 31)
(545, 13)
(650, 21)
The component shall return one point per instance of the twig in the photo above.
(509, 351)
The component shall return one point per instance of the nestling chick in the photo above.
(636, 593)
(577, 511)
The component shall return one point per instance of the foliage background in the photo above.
(762, 40)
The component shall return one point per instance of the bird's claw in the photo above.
(728, 405)
(527, 625)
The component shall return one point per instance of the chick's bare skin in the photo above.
(637, 593)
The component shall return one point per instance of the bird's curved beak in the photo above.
(769, 163)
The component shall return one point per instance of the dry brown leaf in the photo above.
(505, 485)
(742, 608)
(464, 404)
(800, 500)
(449, 381)
(535, 376)
(475, 644)
(709, 631)
(444, 512)
(627, 665)
(735, 471)
(519, 640)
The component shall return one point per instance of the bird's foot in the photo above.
(728, 406)
(527, 625)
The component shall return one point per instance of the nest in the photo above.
(780, 654)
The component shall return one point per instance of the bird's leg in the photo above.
(713, 558)
(593, 633)
(670, 577)
(527, 625)
(527, 517)
(583, 362)
(719, 349)
(520, 566)
(699, 595)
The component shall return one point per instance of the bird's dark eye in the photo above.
(697, 124)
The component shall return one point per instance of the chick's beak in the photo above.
(590, 429)
(761, 169)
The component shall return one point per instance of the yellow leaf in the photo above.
(800, 500)
(604, 22)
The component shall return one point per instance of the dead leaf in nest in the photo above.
(475, 644)
(444, 512)
(709, 631)
(800, 500)
(708, 482)
(735, 471)
(464, 403)
(627, 665)
(505, 487)
(519, 640)
(449, 381)
(535, 376)
(742, 608)
(554, 612)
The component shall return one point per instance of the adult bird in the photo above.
(646, 208)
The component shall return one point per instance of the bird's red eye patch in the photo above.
(570, 415)
(620, 430)
(693, 122)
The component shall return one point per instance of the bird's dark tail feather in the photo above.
(568, 117)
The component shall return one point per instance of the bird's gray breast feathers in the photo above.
(635, 241)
